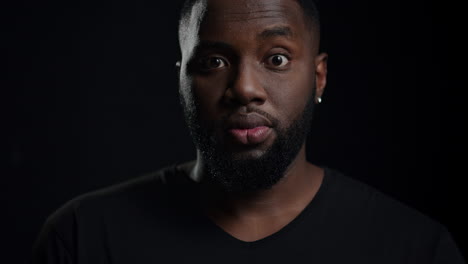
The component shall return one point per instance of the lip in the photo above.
(250, 136)
(248, 129)
(247, 121)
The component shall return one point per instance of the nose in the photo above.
(245, 86)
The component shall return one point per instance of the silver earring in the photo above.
(319, 100)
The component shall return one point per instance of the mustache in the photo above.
(245, 110)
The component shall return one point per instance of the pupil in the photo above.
(277, 60)
(215, 62)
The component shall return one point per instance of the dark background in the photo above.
(94, 102)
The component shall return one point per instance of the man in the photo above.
(250, 77)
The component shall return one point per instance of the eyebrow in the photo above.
(283, 31)
(216, 45)
(267, 33)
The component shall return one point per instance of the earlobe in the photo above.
(177, 65)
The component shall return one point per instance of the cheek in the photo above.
(288, 93)
(208, 92)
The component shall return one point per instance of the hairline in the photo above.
(309, 8)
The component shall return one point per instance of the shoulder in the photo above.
(379, 223)
(371, 208)
(118, 200)
(85, 219)
(360, 195)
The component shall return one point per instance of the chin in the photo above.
(255, 154)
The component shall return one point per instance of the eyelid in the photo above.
(281, 49)
(283, 54)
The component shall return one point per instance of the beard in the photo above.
(225, 170)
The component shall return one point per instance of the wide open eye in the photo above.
(212, 63)
(278, 60)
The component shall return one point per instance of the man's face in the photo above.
(247, 86)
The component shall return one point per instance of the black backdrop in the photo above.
(94, 102)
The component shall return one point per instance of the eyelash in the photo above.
(281, 54)
(225, 62)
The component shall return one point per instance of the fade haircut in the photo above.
(309, 7)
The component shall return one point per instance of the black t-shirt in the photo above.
(152, 219)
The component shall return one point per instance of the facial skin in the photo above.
(241, 57)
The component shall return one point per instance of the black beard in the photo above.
(248, 175)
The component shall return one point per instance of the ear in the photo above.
(320, 74)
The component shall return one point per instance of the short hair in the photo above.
(311, 13)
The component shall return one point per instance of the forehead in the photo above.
(229, 19)
(245, 14)
(246, 10)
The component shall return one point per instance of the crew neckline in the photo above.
(308, 209)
